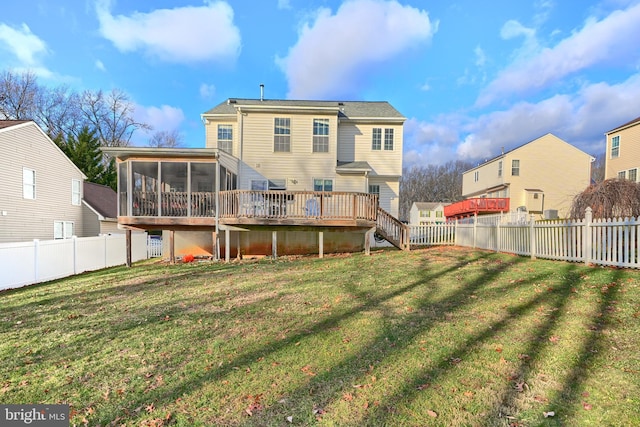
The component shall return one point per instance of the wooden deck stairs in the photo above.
(392, 229)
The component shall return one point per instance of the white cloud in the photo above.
(165, 117)
(580, 119)
(207, 91)
(183, 34)
(481, 58)
(335, 54)
(609, 40)
(100, 65)
(22, 43)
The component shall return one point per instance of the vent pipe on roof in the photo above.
(261, 92)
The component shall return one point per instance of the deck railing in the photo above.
(393, 230)
(277, 204)
(172, 204)
(476, 205)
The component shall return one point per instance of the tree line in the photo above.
(431, 183)
(78, 122)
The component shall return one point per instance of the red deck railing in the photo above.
(482, 205)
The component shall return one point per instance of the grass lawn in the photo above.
(441, 336)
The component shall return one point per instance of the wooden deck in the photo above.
(470, 207)
(175, 210)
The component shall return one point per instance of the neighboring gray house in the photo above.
(425, 213)
(41, 195)
(100, 210)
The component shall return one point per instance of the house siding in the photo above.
(25, 146)
(355, 145)
(629, 153)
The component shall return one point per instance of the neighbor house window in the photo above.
(476, 176)
(615, 146)
(225, 138)
(62, 229)
(500, 168)
(259, 184)
(278, 184)
(28, 183)
(75, 192)
(282, 134)
(515, 167)
(439, 214)
(320, 184)
(425, 214)
(376, 142)
(320, 135)
(388, 139)
(374, 189)
(633, 175)
(622, 174)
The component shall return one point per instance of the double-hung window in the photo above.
(499, 168)
(515, 167)
(476, 176)
(374, 189)
(320, 135)
(376, 141)
(320, 184)
(28, 183)
(622, 175)
(388, 139)
(282, 135)
(615, 146)
(75, 192)
(633, 174)
(225, 138)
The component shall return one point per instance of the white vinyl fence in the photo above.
(612, 242)
(25, 263)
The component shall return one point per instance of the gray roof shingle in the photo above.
(348, 109)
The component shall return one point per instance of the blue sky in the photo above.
(471, 77)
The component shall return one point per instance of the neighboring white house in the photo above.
(425, 213)
(41, 193)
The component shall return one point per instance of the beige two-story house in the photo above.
(623, 151)
(275, 176)
(540, 177)
(41, 195)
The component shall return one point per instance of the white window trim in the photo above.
(66, 229)
(76, 194)
(617, 137)
(313, 183)
(32, 185)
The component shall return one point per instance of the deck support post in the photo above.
(321, 244)
(227, 245)
(367, 240)
(274, 244)
(172, 246)
(215, 253)
(238, 254)
(128, 243)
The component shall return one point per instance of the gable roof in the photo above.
(9, 123)
(344, 109)
(16, 125)
(502, 155)
(429, 206)
(631, 123)
(102, 199)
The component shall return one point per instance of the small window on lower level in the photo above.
(62, 229)
(374, 189)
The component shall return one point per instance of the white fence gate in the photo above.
(25, 263)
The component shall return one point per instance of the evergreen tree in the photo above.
(84, 152)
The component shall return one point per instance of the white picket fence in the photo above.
(611, 242)
(26, 263)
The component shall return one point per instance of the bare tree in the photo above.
(166, 139)
(432, 183)
(58, 112)
(18, 94)
(111, 115)
(597, 168)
